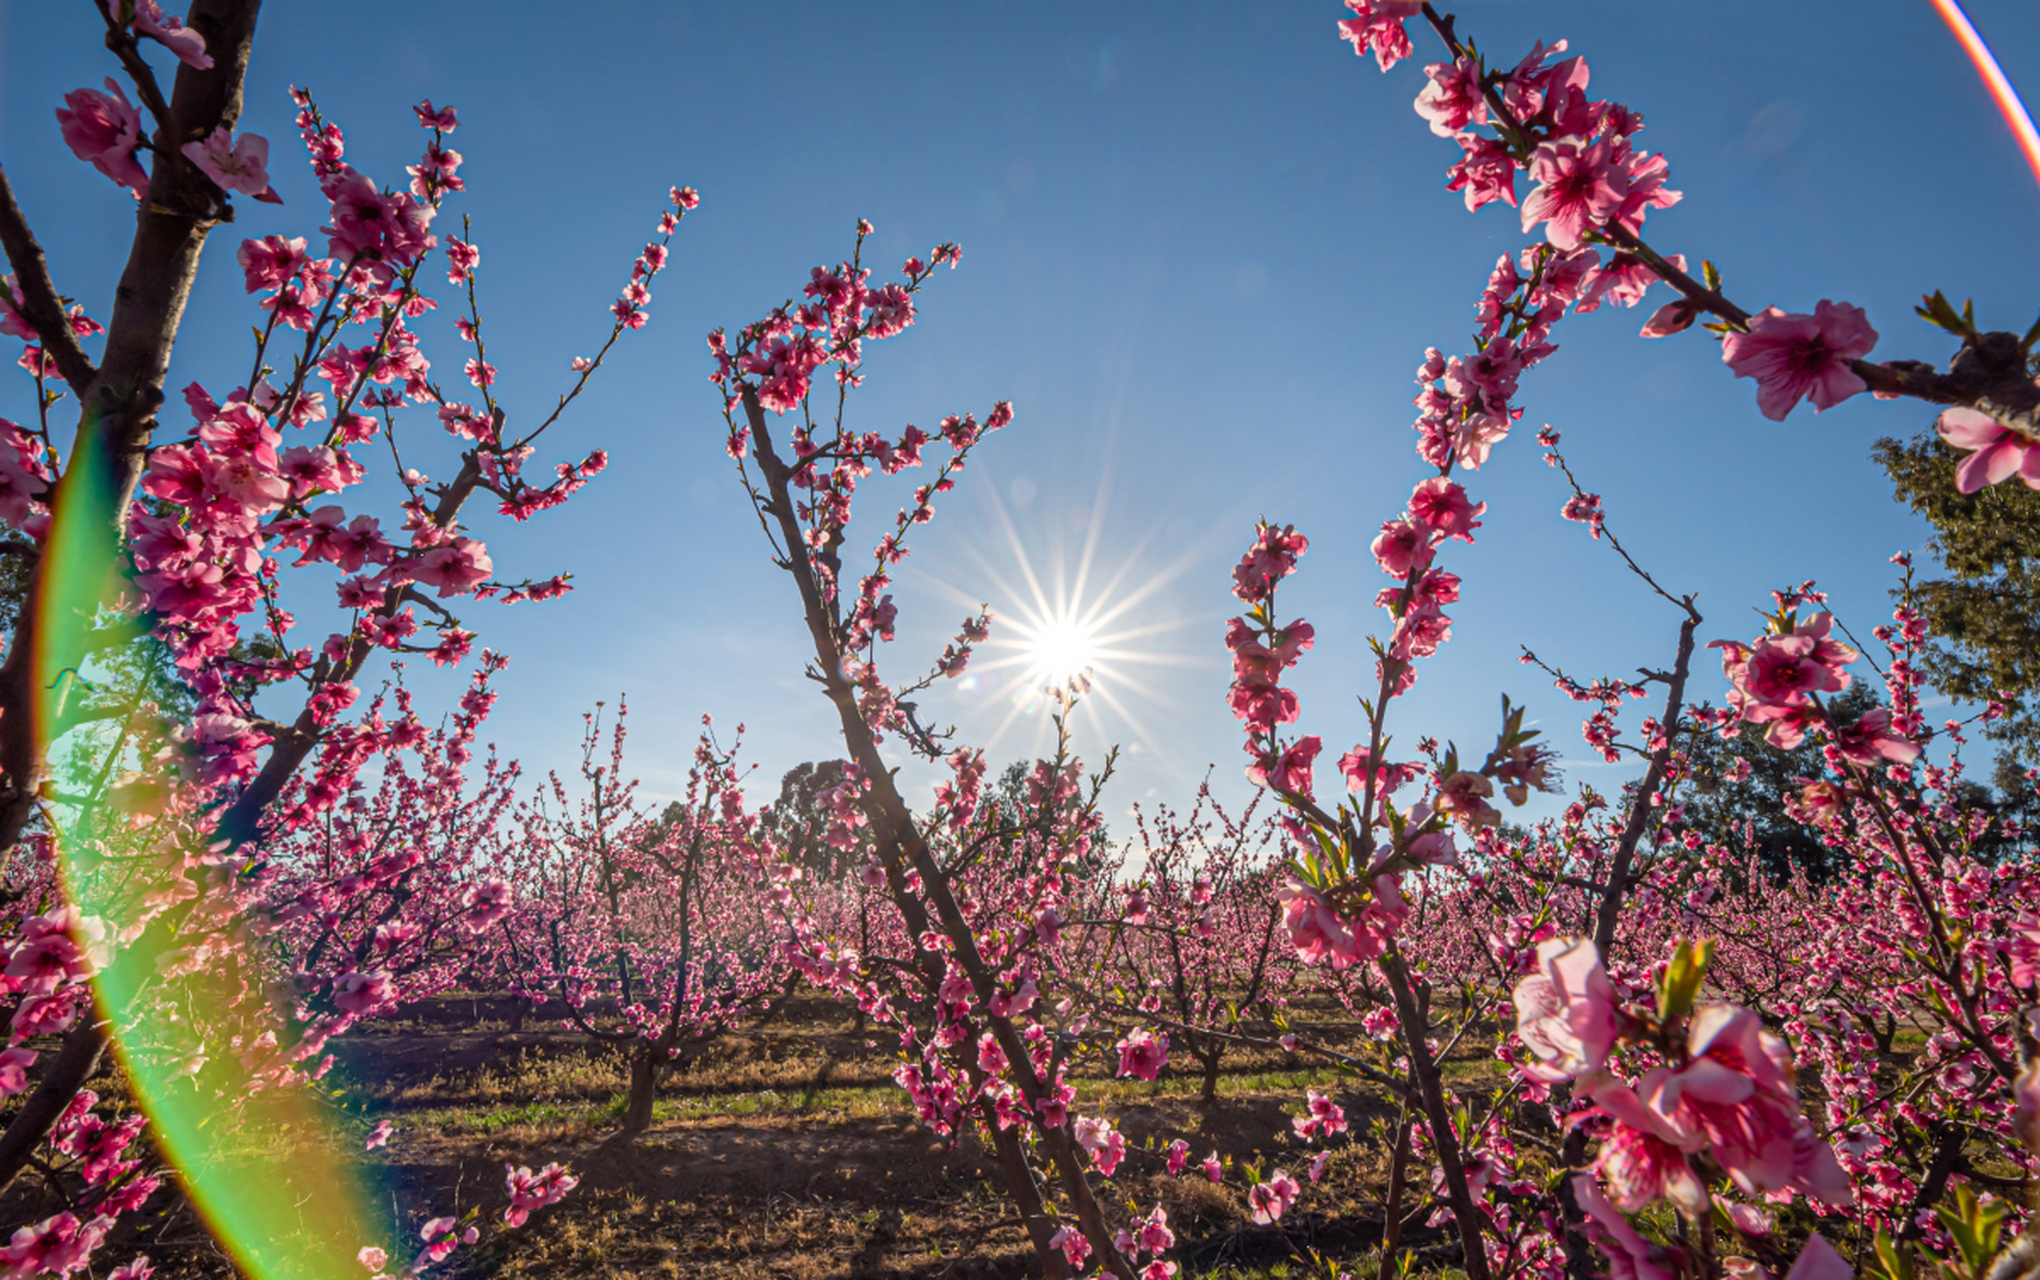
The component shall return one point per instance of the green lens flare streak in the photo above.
(269, 1175)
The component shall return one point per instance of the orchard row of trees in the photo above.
(224, 851)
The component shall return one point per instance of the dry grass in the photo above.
(787, 1151)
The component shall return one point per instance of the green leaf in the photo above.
(1936, 310)
(1710, 274)
(1681, 983)
(1894, 1264)
(1974, 1226)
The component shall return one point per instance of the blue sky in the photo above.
(1204, 248)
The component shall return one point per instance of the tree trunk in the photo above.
(1209, 1097)
(644, 1088)
(1392, 1210)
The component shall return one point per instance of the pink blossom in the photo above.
(1271, 1199)
(1581, 185)
(1998, 452)
(242, 166)
(2026, 1106)
(14, 1065)
(1290, 772)
(1486, 172)
(1106, 1144)
(1735, 1095)
(1377, 27)
(1317, 931)
(1630, 1256)
(172, 34)
(1402, 548)
(1795, 357)
(1143, 1054)
(104, 131)
(1179, 1155)
(1819, 1261)
(1565, 1013)
(270, 263)
(364, 993)
(1442, 506)
(1153, 1234)
(378, 1136)
(1465, 795)
(1272, 558)
(1871, 739)
(2024, 950)
(440, 118)
(1074, 1246)
(1641, 1164)
(456, 568)
(1214, 1169)
(530, 1190)
(1453, 98)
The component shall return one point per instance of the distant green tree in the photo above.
(799, 821)
(1985, 614)
(1724, 809)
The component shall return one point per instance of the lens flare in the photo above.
(1993, 76)
(272, 1183)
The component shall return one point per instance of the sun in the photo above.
(1058, 650)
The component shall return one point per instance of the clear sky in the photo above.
(1204, 248)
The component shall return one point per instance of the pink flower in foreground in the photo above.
(2025, 950)
(1565, 1012)
(14, 1064)
(235, 164)
(1143, 1054)
(54, 1246)
(1639, 1161)
(1629, 1255)
(1735, 1095)
(1795, 357)
(2026, 1107)
(1819, 1261)
(104, 131)
(1999, 452)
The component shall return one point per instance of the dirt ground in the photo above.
(784, 1151)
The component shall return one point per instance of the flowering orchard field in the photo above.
(304, 979)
